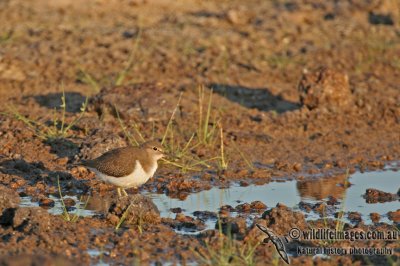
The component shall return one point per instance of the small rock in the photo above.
(31, 219)
(325, 88)
(233, 17)
(224, 213)
(305, 206)
(242, 173)
(46, 202)
(375, 217)
(182, 218)
(20, 182)
(320, 208)
(136, 209)
(41, 186)
(380, 19)
(341, 163)
(260, 174)
(68, 202)
(281, 205)
(130, 33)
(176, 210)
(62, 161)
(245, 207)
(394, 216)
(206, 176)
(113, 219)
(227, 208)
(184, 223)
(281, 219)
(244, 183)
(332, 201)
(11, 72)
(232, 226)
(13, 185)
(373, 196)
(30, 190)
(355, 217)
(258, 205)
(281, 165)
(297, 167)
(205, 215)
(9, 201)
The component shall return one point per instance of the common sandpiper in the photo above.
(127, 167)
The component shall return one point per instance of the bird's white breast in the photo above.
(137, 178)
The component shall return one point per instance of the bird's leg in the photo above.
(119, 191)
(124, 192)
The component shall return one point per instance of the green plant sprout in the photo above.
(59, 128)
(130, 63)
(66, 216)
(123, 217)
(228, 251)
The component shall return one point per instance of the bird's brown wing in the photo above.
(117, 163)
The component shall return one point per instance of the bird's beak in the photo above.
(165, 155)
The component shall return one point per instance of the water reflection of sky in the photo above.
(211, 200)
(289, 194)
(387, 181)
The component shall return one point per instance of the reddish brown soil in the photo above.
(301, 89)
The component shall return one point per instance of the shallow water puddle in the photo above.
(387, 181)
(351, 199)
(58, 209)
(96, 253)
(26, 201)
(291, 193)
(211, 200)
(78, 209)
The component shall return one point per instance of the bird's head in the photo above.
(154, 149)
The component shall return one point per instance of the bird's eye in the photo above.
(155, 148)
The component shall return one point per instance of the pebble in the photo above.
(375, 217)
(46, 202)
(258, 205)
(394, 216)
(68, 202)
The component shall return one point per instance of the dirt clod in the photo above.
(232, 226)
(281, 219)
(394, 216)
(258, 205)
(374, 195)
(205, 215)
(137, 209)
(8, 198)
(46, 202)
(68, 202)
(325, 88)
(375, 217)
(355, 217)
